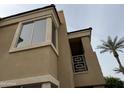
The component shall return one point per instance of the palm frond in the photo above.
(119, 46)
(105, 44)
(119, 70)
(111, 45)
(104, 50)
(120, 42)
(103, 41)
(120, 51)
(110, 42)
(115, 40)
(102, 47)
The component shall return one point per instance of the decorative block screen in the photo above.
(79, 63)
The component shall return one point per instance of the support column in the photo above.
(86, 45)
(46, 85)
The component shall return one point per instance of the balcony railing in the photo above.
(79, 63)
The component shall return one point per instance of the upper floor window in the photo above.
(32, 33)
(35, 33)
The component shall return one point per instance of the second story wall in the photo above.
(65, 72)
(26, 63)
(87, 71)
(33, 62)
(94, 76)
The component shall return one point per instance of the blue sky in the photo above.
(104, 19)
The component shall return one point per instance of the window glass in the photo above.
(39, 34)
(32, 33)
(53, 34)
(26, 35)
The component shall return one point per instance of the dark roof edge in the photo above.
(56, 12)
(90, 28)
(81, 30)
(52, 5)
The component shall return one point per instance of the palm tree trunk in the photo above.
(119, 62)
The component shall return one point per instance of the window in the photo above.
(32, 33)
(78, 58)
(53, 34)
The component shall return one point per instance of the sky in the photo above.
(105, 20)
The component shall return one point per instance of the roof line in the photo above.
(52, 5)
(90, 28)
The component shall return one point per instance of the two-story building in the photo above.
(37, 51)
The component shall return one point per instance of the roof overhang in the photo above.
(80, 33)
(47, 10)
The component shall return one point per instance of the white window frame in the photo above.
(56, 31)
(48, 40)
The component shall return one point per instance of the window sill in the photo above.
(13, 50)
(77, 73)
(55, 50)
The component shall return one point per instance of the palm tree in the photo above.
(113, 82)
(113, 46)
(119, 70)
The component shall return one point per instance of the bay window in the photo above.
(35, 33)
(32, 33)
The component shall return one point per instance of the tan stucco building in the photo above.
(37, 51)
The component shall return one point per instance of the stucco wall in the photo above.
(43, 60)
(65, 72)
(38, 61)
(33, 62)
(93, 76)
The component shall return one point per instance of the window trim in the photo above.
(56, 33)
(32, 31)
(47, 42)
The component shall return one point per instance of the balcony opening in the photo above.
(78, 57)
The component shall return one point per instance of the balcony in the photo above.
(79, 63)
(78, 58)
